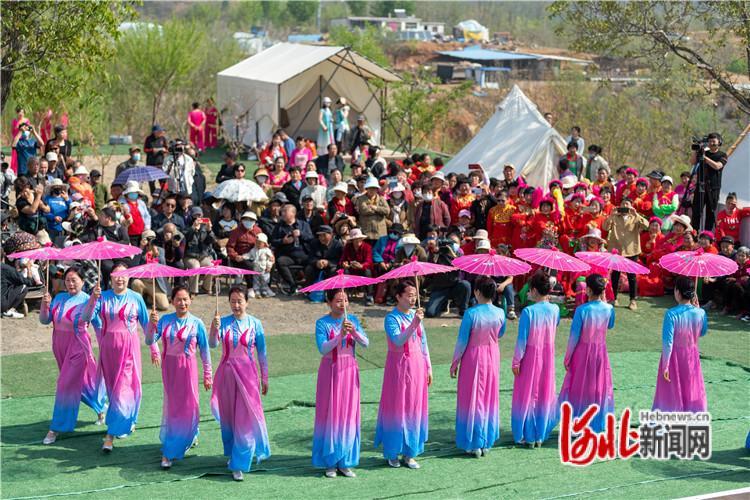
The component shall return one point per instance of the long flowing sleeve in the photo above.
(260, 349)
(667, 337)
(464, 332)
(393, 330)
(201, 338)
(664, 209)
(524, 324)
(575, 334)
(325, 345)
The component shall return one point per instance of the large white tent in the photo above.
(283, 87)
(736, 178)
(517, 133)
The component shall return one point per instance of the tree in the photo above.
(358, 7)
(368, 42)
(302, 10)
(48, 46)
(695, 34)
(384, 8)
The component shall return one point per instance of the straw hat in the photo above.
(568, 182)
(132, 187)
(53, 184)
(481, 234)
(594, 233)
(262, 237)
(341, 187)
(356, 234)
(483, 245)
(311, 175)
(409, 239)
(81, 170)
(681, 219)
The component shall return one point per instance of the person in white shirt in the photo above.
(314, 190)
(263, 261)
(575, 135)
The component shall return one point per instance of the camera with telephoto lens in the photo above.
(177, 237)
(699, 145)
(445, 245)
(176, 146)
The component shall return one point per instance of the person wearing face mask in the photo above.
(57, 200)
(137, 212)
(242, 240)
(314, 190)
(132, 162)
(429, 210)
(25, 144)
(384, 251)
(399, 208)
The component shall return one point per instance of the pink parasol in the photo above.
(698, 264)
(612, 261)
(491, 264)
(216, 269)
(98, 250)
(340, 281)
(152, 270)
(552, 259)
(47, 252)
(414, 269)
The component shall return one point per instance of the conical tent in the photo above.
(517, 133)
(736, 178)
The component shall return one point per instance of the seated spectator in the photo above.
(271, 216)
(226, 170)
(571, 162)
(168, 215)
(136, 211)
(429, 210)
(729, 220)
(278, 176)
(314, 190)
(706, 242)
(357, 259)
(155, 296)
(462, 201)
(13, 290)
(174, 245)
(340, 205)
(310, 214)
(409, 247)
(199, 240)
(384, 251)
(225, 224)
(325, 254)
(446, 286)
(57, 200)
(300, 155)
(329, 162)
(238, 171)
(273, 152)
(242, 240)
(290, 240)
(399, 213)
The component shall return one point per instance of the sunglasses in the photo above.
(170, 205)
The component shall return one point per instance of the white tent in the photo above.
(283, 87)
(736, 178)
(517, 133)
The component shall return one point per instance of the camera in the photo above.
(176, 146)
(699, 145)
(177, 237)
(445, 245)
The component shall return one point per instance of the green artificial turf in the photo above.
(74, 465)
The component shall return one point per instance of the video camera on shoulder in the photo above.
(176, 146)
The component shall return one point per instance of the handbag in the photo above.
(317, 296)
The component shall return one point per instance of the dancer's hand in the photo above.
(419, 315)
(207, 384)
(348, 327)
(154, 318)
(217, 321)
(156, 359)
(454, 370)
(46, 299)
(263, 387)
(666, 375)
(516, 370)
(96, 292)
(429, 379)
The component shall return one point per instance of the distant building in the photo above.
(407, 27)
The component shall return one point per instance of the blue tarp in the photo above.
(304, 38)
(477, 53)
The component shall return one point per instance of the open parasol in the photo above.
(552, 259)
(235, 190)
(340, 281)
(612, 262)
(414, 269)
(698, 264)
(99, 250)
(140, 174)
(47, 252)
(491, 264)
(151, 271)
(216, 269)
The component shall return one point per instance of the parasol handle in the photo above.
(216, 285)
(99, 272)
(153, 296)
(419, 300)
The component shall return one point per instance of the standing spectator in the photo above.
(293, 188)
(373, 211)
(242, 240)
(180, 168)
(278, 176)
(31, 208)
(56, 198)
(328, 162)
(575, 136)
(263, 260)
(131, 162)
(499, 227)
(342, 122)
(101, 196)
(138, 215)
(25, 145)
(196, 120)
(624, 228)
(286, 141)
(707, 195)
(301, 154)
(226, 171)
(19, 120)
(325, 254)
(357, 259)
(290, 240)
(360, 138)
(273, 151)
(60, 143)
(199, 240)
(155, 146)
(571, 162)
(596, 162)
(212, 124)
(429, 211)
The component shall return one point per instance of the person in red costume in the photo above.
(593, 215)
(706, 242)
(543, 221)
(643, 200)
(573, 225)
(628, 187)
(462, 201)
(650, 239)
(728, 221)
(499, 224)
(606, 195)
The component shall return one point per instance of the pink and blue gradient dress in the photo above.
(402, 416)
(120, 355)
(478, 394)
(235, 401)
(336, 435)
(588, 379)
(71, 345)
(683, 325)
(534, 411)
(181, 411)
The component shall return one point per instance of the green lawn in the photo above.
(76, 466)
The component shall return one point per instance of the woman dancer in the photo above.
(119, 312)
(337, 420)
(402, 416)
(71, 345)
(325, 125)
(679, 383)
(181, 334)
(235, 401)
(478, 354)
(588, 377)
(534, 411)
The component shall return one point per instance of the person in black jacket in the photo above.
(446, 286)
(293, 188)
(13, 291)
(290, 239)
(325, 254)
(226, 171)
(327, 162)
(310, 214)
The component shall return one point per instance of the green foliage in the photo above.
(738, 66)
(358, 7)
(274, 12)
(384, 8)
(302, 10)
(368, 42)
(417, 106)
(49, 48)
(661, 34)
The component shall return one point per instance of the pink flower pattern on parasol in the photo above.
(612, 261)
(698, 264)
(552, 259)
(151, 271)
(491, 264)
(216, 269)
(414, 269)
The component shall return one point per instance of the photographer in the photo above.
(180, 168)
(26, 143)
(199, 240)
(708, 164)
(446, 286)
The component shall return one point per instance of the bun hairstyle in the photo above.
(686, 287)
(119, 264)
(596, 283)
(76, 269)
(541, 283)
(402, 285)
(486, 287)
(241, 289)
(178, 288)
(331, 294)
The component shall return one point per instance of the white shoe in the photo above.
(512, 315)
(107, 446)
(485, 452)
(237, 475)
(12, 313)
(477, 453)
(394, 463)
(50, 438)
(347, 472)
(99, 419)
(330, 473)
(412, 464)
(250, 294)
(166, 463)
